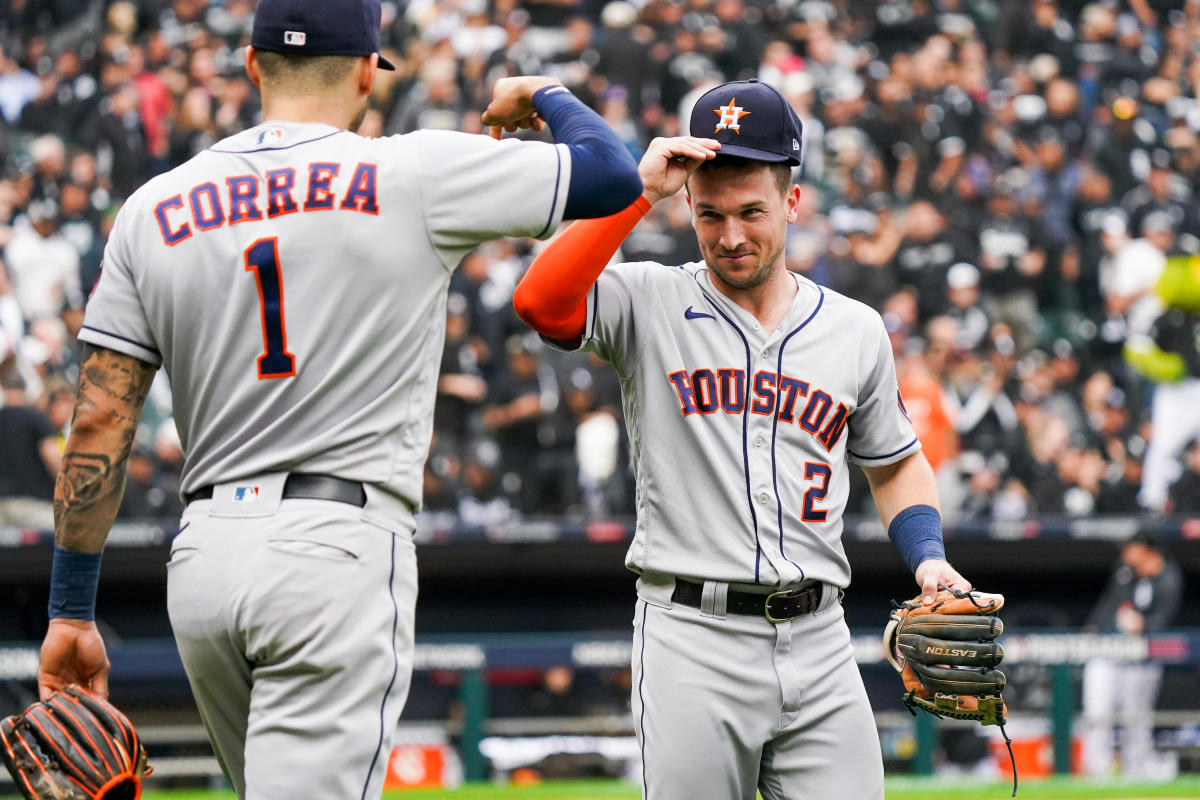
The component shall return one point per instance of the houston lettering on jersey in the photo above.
(705, 391)
(245, 197)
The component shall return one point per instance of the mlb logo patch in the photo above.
(245, 494)
(270, 136)
(295, 38)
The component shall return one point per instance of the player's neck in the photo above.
(318, 109)
(769, 301)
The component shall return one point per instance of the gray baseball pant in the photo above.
(725, 705)
(296, 632)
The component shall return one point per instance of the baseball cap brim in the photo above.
(754, 154)
(385, 63)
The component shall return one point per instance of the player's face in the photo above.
(741, 218)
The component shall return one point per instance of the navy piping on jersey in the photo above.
(889, 455)
(775, 428)
(395, 670)
(147, 348)
(553, 205)
(595, 306)
(745, 448)
(284, 147)
(642, 697)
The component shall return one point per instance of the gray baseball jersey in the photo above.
(292, 280)
(740, 435)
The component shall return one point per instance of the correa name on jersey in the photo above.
(704, 391)
(242, 198)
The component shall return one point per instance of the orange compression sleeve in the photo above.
(552, 297)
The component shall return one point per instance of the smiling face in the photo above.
(740, 214)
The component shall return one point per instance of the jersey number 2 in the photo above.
(262, 258)
(815, 469)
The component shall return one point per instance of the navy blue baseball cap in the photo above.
(750, 119)
(319, 28)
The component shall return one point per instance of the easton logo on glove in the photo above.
(73, 746)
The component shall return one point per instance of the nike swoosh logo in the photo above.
(689, 314)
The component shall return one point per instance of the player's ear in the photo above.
(252, 67)
(793, 203)
(366, 73)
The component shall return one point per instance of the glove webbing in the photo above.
(914, 707)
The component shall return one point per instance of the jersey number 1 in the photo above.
(262, 258)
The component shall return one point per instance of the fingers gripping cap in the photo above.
(750, 119)
(319, 28)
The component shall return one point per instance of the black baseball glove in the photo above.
(74, 746)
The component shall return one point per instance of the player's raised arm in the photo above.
(112, 388)
(604, 177)
(552, 297)
(906, 496)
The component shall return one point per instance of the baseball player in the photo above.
(292, 281)
(746, 390)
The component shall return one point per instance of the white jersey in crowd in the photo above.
(292, 280)
(740, 436)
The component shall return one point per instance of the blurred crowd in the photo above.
(1003, 179)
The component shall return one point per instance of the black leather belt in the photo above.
(307, 486)
(777, 607)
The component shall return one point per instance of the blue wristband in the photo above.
(73, 581)
(917, 533)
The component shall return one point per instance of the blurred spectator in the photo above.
(461, 386)
(963, 291)
(43, 265)
(483, 499)
(32, 458)
(519, 415)
(149, 494)
(925, 406)
(17, 86)
(1185, 492)
(1143, 596)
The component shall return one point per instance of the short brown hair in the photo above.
(780, 170)
(290, 72)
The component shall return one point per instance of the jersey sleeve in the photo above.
(474, 188)
(610, 328)
(880, 431)
(114, 316)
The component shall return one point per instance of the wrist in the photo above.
(539, 84)
(74, 577)
(917, 533)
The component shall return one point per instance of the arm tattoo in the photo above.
(112, 388)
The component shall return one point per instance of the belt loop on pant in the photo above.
(714, 598)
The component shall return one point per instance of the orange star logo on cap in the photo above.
(730, 115)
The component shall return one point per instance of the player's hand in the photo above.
(934, 572)
(512, 104)
(668, 162)
(72, 652)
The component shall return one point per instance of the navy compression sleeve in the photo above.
(604, 177)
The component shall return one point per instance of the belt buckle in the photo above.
(767, 605)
